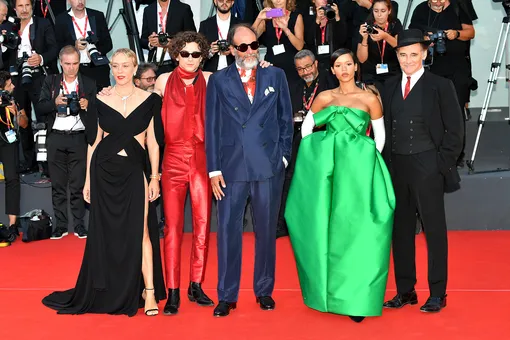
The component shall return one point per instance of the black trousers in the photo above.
(26, 95)
(67, 161)
(9, 157)
(418, 185)
(101, 74)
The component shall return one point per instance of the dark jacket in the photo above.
(51, 89)
(179, 18)
(442, 117)
(209, 28)
(65, 34)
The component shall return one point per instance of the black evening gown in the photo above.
(110, 280)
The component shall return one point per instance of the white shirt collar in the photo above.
(71, 13)
(414, 78)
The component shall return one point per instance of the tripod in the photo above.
(408, 11)
(128, 15)
(495, 66)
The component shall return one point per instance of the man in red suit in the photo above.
(184, 165)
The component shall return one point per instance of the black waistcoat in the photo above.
(410, 134)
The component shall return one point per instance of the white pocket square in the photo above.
(268, 90)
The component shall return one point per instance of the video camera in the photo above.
(97, 58)
(329, 12)
(223, 45)
(6, 98)
(10, 38)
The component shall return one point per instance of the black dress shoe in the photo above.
(434, 304)
(173, 303)
(357, 319)
(196, 294)
(223, 308)
(400, 300)
(281, 232)
(266, 302)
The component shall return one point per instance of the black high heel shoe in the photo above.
(149, 312)
(357, 319)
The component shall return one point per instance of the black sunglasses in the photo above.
(186, 54)
(254, 45)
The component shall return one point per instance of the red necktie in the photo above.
(408, 87)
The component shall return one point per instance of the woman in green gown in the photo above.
(341, 202)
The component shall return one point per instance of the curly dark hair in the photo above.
(182, 38)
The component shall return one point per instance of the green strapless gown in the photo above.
(340, 216)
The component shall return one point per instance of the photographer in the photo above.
(161, 21)
(64, 100)
(376, 43)
(36, 56)
(325, 31)
(145, 77)
(215, 29)
(87, 30)
(10, 119)
(451, 29)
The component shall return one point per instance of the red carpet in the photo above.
(478, 299)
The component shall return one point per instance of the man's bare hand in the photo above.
(106, 91)
(60, 100)
(217, 183)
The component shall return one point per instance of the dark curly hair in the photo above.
(182, 38)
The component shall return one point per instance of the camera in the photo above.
(329, 12)
(6, 97)
(97, 58)
(372, 29)
(26, 70)
(73, 103)
(223, 45)
(439, 39)
(10, 38)
(8, 234)
(163, 38)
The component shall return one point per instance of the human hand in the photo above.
(217, 182)
(86, 191)
(153, 189)
(34, 60)
(84, 103)
(60, 100)
(106, 91)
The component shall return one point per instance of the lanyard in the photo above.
(219, 33)
(83, 34)
(308, 103)
(162, 20)
(64, 88)
(45, 11)
(381, 52)
(278, 34)
(323, 34)
(8, 119)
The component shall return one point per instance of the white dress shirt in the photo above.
(69, 123)
(25, 44)
(223, 26)
(159, 50)
(84, 56)
(414, 79)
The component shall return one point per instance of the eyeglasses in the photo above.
(149, 79)
(186, 54)
(254, 45)
(304, 69)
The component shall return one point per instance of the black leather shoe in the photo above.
(357, 319)
(196, 294)
(281, 232)
(400, 300)
(173, 303)
(266, 302)
(223, 308)
(434, 304)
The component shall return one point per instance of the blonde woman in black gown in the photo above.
(122, 265)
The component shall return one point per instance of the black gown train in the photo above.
(110, 279)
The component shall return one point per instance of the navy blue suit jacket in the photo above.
(245, 141)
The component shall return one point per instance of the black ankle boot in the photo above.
(196, 294)
(357, 319)
(173, 303)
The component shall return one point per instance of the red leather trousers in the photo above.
(184, 166)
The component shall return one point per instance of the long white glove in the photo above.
(308, 125)
(379, 133)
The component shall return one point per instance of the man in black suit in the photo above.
(312, 81)
(74, 27)
(35, 57)
(67, 138)
(164, 16)
(424, 135)
(216, 29)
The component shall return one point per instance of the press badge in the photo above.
(323, 49)
(11, 136)
(278, 49)
(381, 69)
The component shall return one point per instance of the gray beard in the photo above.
(247, 65)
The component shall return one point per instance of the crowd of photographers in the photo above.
(36, 97)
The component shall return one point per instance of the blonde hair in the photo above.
(128, 53)
(291, 5)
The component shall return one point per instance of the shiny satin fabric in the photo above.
(185, 166)
(339, 214)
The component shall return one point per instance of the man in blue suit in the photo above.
(248, 141)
